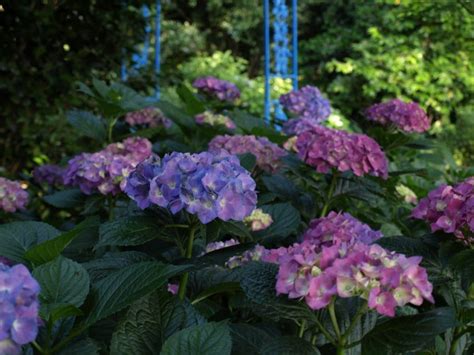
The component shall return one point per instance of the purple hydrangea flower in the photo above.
(297, 126)
(207, 185)
(105, 171)
(308, 103)
(220, 245)
(407, 116)
(19, 307)
(268, 154)
(173, 289)
(12, 195)
(150, 116)
(450, 209)
(49, 173)
(326, 148)
(214, 119)
(217, 88)
(338, 229)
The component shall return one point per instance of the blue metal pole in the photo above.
(294, 29)
(157, 47)
(266, 16)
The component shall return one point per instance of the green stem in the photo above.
(189, 252)
(356, 318)
(110, 129)
(184, 226)
(454, 341)
(302, 328)
(340, 350)
(39, 348)
(325, 332)
(72, 335)
(332, 314)
(111, 206)
(330, 193)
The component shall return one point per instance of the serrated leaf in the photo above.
(148, 323)
(463, 262)
(125, 286)
(84, 346)
(87, 124)
(408, 333)
(54, 312)
(281, 186)
(17, 237)
(248, 339)
(193, 105)
(286, 221)
(176, 115)
(248, 161)
(288, 346)
(62, 281)
(210, 339)
(236, 229)
(132, 230)
(258, 281)
(65, 199)
(50, 249)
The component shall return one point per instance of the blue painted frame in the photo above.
(282, 54)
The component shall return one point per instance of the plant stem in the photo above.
(73, 334)
(39, 348)
(332, 314)
(302, 328)
(111, 206)
(329, 196)
(362, 309)
(184, 226)
(110, 129)
(325, 332)
(189, 252)
(454, 341)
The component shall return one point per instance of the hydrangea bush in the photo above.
(205, 236)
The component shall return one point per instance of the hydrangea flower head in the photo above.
(268, 154)
(406, 116)
(105, 171)
(326, 148)
(220, 245)
(19, 310)
(221, 89)
(49, 173)
(339, 229)
(150, 116)
(207, 185)
(214, 119)
(307, 102)
(297, 126)
(450, 209)
(12, 195)
(258, 220)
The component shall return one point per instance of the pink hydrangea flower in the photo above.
(12, 195)
(326, 148)
(406, 116)
(150, 116)
(221, 89)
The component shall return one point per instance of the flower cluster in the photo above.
(19, 308)
(207, 185)
(268, 154)
(105, 171)
(214, 119)
(325, 148)
(339, 229)
(307, 102)
(258, 220)
(257, 253)
(406, 116)
(299, 125)
(12, 196)
(450, 209)
(220, 245)
(385, 279)
(220, 89)
(49, 173)
(150, 116)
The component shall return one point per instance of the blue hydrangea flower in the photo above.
(207, 185)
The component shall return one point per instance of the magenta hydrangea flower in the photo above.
(207, 185)
(173, 289)
(385, 279)
(12, 195)
(308, 103)
(450, 209)
(268, 154)
(257, 253)
(214, 119)
(297, 126)
(406, 116)
(50, 174)
(326, 148)
(221, 89)
(105, 171)
(338, 229)
(150, 116)
(19, 308)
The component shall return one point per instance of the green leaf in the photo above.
(408, 333)
(176, 115)
(17, 237)
(258, 281)
(50, 249)
(270, 133)
(463, 262)
(132, 230)
(84, 346)
(248, 161)
(209, 339)
(193, 105)
(246, 122)
(56, 311)
(62, 281)
(125, 286)
(281, 186)
(288, 346)
(87, 124)
(236, 229)
(286, 221)
(148, 323)
(65, 199)
(248, 339)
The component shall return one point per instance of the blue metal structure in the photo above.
(278, 19)
(140, 60)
